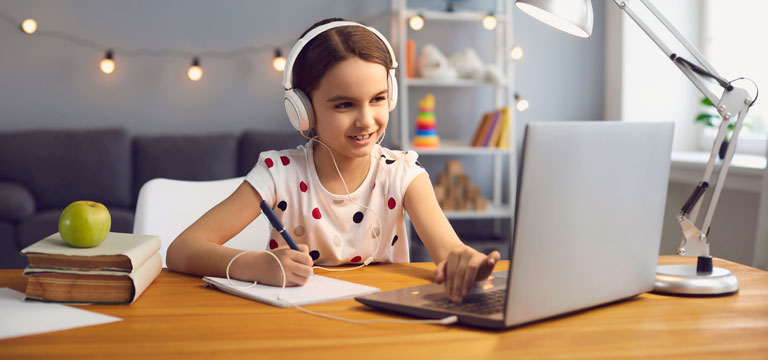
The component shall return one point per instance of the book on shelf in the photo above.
(493, 129)
(115, 272)
(119, 252)
(103, 287)
(482, 129)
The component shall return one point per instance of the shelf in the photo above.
(458, 148)
(450, 16)
(421, 82)
(492, 212)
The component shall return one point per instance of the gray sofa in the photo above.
(42, 171)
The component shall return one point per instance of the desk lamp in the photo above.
(575, 17)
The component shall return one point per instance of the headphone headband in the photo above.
(296, 49)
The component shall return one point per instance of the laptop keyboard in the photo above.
(483, 303)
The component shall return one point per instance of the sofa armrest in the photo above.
(16, 202)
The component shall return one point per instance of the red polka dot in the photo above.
(316, 213)
(303, 186)
(356, 259)
(285, 160)
(272, 244)
(392, 203)
(269, 162)
(374, 185)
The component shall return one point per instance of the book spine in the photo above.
(410, 59)
(492, 128)
(145, 275)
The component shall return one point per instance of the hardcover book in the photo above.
(119, 252)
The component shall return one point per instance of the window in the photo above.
(733, 41)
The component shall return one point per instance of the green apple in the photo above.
(84, 224)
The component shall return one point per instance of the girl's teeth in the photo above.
(363, 137)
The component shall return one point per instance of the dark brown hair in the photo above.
(332, 47)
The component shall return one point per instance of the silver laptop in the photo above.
(590, 207)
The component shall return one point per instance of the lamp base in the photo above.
(684, 280)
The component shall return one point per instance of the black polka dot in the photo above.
(314, 254)
(358, 217)
(282, 205)
(419, 164)
(394, 240)
(389, 162)
(383, 156)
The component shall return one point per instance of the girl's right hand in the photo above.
(297, 265)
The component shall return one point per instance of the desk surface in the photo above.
(178, 317)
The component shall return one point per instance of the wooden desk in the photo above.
(177, 317)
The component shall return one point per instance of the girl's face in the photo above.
(351, 107)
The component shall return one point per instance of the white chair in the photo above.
(167, 207)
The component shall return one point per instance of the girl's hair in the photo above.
(332, 47)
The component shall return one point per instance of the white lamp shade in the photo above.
(571, 16)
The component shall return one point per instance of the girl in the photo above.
(341, 196)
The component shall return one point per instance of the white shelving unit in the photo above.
(500, 207)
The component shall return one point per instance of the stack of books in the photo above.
(115, 272)
(493, 129)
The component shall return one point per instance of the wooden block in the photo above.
(453, 167)
(462, 180)
(454, 192)
(481, 204)
(472, 192)
(439, 192)
(444, 180)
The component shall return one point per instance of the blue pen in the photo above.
(278, 225)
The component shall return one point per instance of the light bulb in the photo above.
(107, 64)
(195, 72)
(279, 62)
(516, 53)
(416, 22)
(489, 22)
(522, 104)
(29, 26)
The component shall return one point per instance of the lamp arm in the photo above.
(733, 103)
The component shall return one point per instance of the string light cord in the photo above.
(444, 321)
(166, 52)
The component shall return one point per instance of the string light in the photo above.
(29, 26)
(107, 64)
(521, 103)
(195, 72)
(416, 22)
(516, 53)
(489, 22)
(279, 62)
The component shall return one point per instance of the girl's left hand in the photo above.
(462, 268)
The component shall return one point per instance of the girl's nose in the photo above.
(365, 119)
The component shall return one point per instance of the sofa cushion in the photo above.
(10, 258)
(184, 157)
(62, 166)
(16, 202)
(253, 142)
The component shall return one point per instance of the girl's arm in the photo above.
(199, 250)
(458, 265)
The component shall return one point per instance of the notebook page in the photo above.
(318, 289)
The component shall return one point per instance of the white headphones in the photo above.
(297, 103)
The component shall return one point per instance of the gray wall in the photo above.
(47, 82)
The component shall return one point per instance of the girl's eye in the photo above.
(379, 99)
(343, 105)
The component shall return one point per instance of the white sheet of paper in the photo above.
(20, 318)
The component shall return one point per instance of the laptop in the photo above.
(590, 205)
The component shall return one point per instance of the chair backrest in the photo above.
(167, 207)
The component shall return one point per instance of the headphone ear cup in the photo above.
(392, 83)
(299, 109)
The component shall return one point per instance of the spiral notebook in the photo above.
(318, 289)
